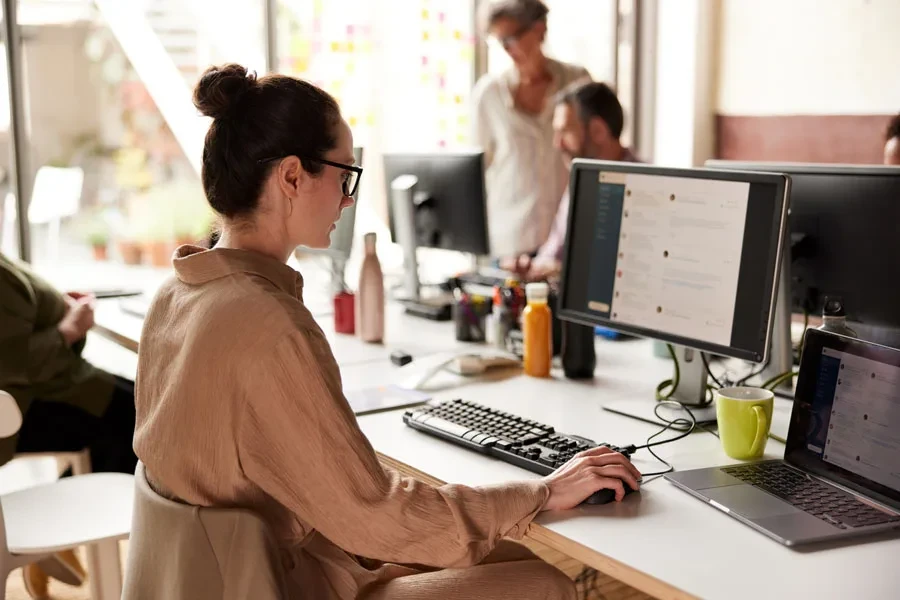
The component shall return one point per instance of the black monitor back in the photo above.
(845, 237)
(450, 211)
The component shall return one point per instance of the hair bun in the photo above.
(221, 88)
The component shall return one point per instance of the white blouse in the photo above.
(525, 175)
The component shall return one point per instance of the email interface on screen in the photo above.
(673, 254)
(855, 416)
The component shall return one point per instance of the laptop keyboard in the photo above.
(826, 502)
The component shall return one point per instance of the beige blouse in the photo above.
(239, 403)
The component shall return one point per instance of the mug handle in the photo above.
(760, 437)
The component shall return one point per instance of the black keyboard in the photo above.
(827, 502)
(528, 444)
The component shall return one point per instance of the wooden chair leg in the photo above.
(104, 570)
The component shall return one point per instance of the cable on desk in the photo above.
(672, 384)
(709, 371)
(679, 422)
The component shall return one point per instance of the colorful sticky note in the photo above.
(350, 46)
(441, 17)
(425, 36)
(351, 67)
(457, 35)
(370, 119)
(424, 61)
(425, 14)
(350, 29)
(458, 99)
(335, 47)
(352, 121)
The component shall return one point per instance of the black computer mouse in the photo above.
(605, 496)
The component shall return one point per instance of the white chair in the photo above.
(84, 510)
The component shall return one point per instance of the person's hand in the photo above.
(72, 297)
(596, 469)
(542, 270)
(79, 318)
(516, 264)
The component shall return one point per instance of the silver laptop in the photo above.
(840, 476)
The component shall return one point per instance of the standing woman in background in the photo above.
(513, 117)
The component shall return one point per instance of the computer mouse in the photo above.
(605, 496)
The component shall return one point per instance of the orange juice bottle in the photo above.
(537, 331)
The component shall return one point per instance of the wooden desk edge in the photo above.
(122, 340)
(624, 573)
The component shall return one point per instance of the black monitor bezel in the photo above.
(782, 185)
(483, 245)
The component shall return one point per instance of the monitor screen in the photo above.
(686, 256)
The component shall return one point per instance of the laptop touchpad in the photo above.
(750, 502)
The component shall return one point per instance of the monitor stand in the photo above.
(781, 352)
(691, 392)
(403, 190)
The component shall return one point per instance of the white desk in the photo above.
(661, 541)
(418, 337)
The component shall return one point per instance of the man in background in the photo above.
(587, 123)
(513, 113)
(67, 404)
(892, 143)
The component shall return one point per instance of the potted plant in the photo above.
(99, 241)
(95, 231)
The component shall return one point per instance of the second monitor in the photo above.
(687, 256)
(449, 199)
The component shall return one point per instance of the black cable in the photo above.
(753, 374)
(709, 371)
(678, 422)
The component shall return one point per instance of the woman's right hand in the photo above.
(589, 471)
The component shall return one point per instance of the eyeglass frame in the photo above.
(509, 41)
(354, 168)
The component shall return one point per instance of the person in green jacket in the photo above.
(67, 404)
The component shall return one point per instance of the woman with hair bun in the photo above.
(239, 400)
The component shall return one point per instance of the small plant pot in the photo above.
(159, 254)
(101, 252)
(131, 252)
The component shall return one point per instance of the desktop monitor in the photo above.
(843, 229)
(448, 199)
(686, 256)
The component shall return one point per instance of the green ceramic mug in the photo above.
(744, 415)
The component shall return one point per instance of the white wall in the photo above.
(785, 57)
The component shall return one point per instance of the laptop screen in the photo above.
(846, 419)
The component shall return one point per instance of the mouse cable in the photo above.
(679, 422)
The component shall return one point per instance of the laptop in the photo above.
(840, 476)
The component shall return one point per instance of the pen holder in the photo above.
(344, 313)
(470, 315)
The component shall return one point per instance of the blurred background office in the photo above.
(109, 144)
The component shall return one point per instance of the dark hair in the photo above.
(256, 119)
(594, 99)
(524, 12)
(893, 130)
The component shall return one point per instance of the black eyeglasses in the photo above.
(511, 40)
(349, 179)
